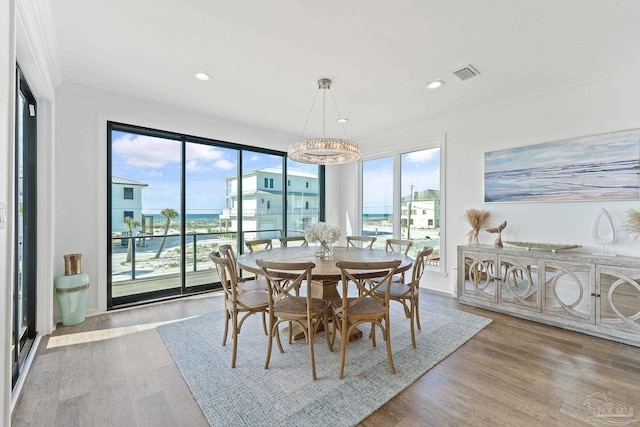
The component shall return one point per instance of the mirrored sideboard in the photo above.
(593, 294)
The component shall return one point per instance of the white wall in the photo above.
(608, 104)
(603, 105)
(81, 163)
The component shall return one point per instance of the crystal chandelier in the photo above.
(324, 151)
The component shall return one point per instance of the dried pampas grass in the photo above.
(478, 220)
(632, 224)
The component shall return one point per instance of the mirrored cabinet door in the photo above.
(568, 292)
(519, 282)
(480, 280)
(619, 299)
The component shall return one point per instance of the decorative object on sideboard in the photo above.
(632, 223)
(603, 231)
(498, 229)
(553, 247)
(478, 220)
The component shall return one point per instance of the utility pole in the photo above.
(409, 214)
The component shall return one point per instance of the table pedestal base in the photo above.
(328, 291)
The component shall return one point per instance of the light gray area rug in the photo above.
(285, 394)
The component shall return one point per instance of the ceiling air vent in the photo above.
(465, 73)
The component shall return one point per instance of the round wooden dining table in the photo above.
(325, 274)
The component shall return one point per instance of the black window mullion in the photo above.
(183, 215)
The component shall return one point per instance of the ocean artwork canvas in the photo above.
(597, 167)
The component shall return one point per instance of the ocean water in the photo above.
(205, 217)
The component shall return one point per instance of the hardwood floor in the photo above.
(113, 370)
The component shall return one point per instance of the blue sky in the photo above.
(156, 161)
(420, 168)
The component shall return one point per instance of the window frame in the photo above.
(438, 141)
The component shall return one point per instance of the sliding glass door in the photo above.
(206, 168)
(174, 199)
(24, 293)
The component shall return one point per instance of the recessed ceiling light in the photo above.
(202, 76)
(342, 120)
(435, 84)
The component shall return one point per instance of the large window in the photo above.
(377, 199)
(183, 198)
(402, 197)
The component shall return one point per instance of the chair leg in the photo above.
(226, 328)
(270, 345)
(413, 331)
(276, 332)
(264, 323)
(373, 334)
(235, 339)
(328, 332)
(417, 312)
(388, 339)
(343, 344)
(310, 333)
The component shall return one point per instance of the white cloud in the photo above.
(224, 164)
(146, 151)
(203, 152)
(422, 156)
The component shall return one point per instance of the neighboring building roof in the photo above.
(423, 195)
(277, 171)
(125, 181)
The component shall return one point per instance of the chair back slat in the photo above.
(294, 275)
(368, 277)
(397, 245)
(258, 244)
(361, 241)
(419, 264)
(228, 280)
(300, 240)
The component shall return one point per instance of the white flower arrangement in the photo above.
(322, 232)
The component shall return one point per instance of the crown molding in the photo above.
(607, 75)
(37, 47)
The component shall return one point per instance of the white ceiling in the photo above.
(265, 56)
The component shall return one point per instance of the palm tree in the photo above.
(169, 214)
(131, 224)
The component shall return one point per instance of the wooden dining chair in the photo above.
(244, 284)
(238, 305)
(408, 294)
(361, 241)
(399, 246)
(368, 306)
(258, 244)
(285, 305)
(256, 283)
(299, 240)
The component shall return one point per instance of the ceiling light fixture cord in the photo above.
(309, 115)
(335, 104)
(324, 112)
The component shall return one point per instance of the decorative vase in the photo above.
(324, 250)
(72, 290)
(474, 238)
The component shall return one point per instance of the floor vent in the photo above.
(465, 73)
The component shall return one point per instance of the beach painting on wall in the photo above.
(598, 167)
